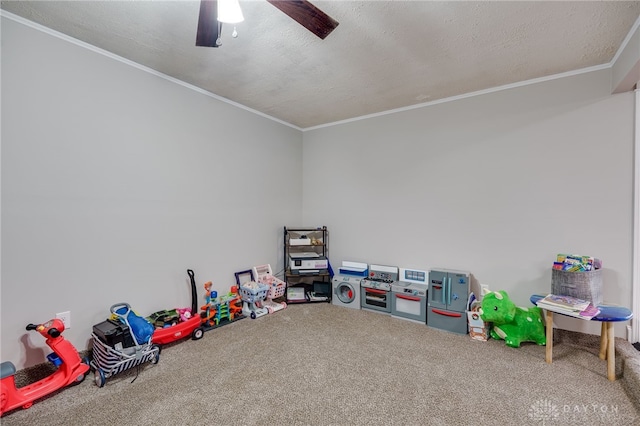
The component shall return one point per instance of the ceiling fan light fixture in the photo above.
(229, 11)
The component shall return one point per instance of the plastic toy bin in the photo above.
(276, 290)
(254, 292)
(114, 334)
(276, 286)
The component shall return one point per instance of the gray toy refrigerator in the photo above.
(448, 296)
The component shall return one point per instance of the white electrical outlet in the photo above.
(65, 317)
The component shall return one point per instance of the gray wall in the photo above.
(115, 181)
(496, 184)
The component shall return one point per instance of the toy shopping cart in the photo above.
(252, 294)
(263, 274)
(125, 347)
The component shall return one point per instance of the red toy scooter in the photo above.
(72, 370)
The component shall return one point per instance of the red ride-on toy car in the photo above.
(72, 369)
(192, 326)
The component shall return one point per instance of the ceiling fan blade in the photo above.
(307, 15)
(208, 25)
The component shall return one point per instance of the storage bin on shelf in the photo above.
(585, 285)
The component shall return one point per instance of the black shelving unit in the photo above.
(305, 284)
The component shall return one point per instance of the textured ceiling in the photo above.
(384, 54)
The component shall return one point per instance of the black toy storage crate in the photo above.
(114, 334)
(586, 285)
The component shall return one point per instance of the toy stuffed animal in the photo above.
(185, 313)
(510, 322)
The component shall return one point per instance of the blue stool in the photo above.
(607, 316)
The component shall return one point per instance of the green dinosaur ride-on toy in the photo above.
(510, 322)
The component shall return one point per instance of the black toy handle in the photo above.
(31, 327)
(194, 292)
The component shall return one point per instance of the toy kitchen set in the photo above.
(409, 296)
(437, 298)
(375, 289)
(448, 297)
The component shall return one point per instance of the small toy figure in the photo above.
(208, 293)
(210, 297)
(510, 322)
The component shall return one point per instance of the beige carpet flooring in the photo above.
(320, 364)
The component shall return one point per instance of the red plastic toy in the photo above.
(71, 370)
(190, 327)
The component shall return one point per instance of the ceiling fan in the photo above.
(302, 11)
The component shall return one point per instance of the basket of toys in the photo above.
(577, 276)
(252, 291)
(276, 286)
(264, 274)
(585, 285)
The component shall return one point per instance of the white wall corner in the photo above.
(635, 322)
(626, 63)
